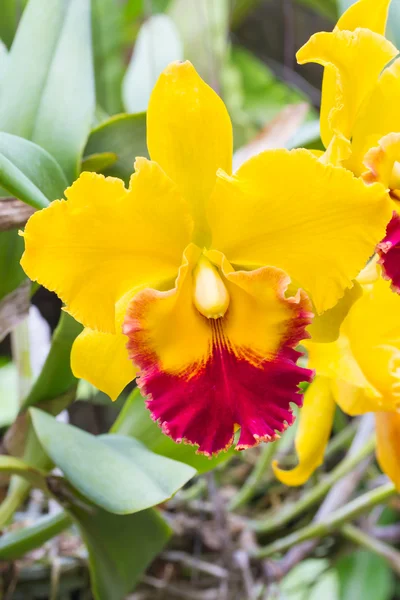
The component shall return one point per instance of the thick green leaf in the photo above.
(134, 420)
(56, 378)
(49, 80)
(114, 472)
(365, 575)
(28, 172)
(120, 548)
(107, 25)
(158, 44)
(123, 135)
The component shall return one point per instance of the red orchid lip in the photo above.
(203, 404)
(389, 252)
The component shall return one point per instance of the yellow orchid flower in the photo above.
(185, 275)
(360, 121)
(361, 373)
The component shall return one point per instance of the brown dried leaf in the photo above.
(13, 308)
(13, 213)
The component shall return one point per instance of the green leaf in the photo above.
(158, 44)
(17, 543)
(28, 172)
(14, 466)
(49, 80)
(114, 571)
(115, 472)
(134, 420)
(365, 575)
(107, 25)
(11, 249)
(123, 135)
(99, 162)
(120, 548)
(56, 377)
(306, 579)
(10, 13)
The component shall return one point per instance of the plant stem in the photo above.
(279, 518)
(361, 538)
(332, 522)
(342, 440)
(15, 544)
(250, 485)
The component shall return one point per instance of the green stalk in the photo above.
(279, 518)
(251, 484)
(15, 544)
(332, 522)
(356, 535)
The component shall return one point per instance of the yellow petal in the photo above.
(357, 59)
(376, 347)
(105, 240)
(316, 222)
(370, 14)
(326, 327)
(377, 117)
(102, 359)
(357, 400)
(336, 361)
(189, 134)
(316, 417)
(387, 427)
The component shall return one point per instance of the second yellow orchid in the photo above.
(361, 373)
(360, 120)
(184, 277)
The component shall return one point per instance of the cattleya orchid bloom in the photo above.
(184, 277)
(360, 372)
(360, 120)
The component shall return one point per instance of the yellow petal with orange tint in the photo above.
(316, 222)
(387, 427)
(189, 134)
(102, 359)
(105, 240)
(382, 162)
(357, 57)
(316, 418)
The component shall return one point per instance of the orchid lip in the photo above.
(210, 296)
